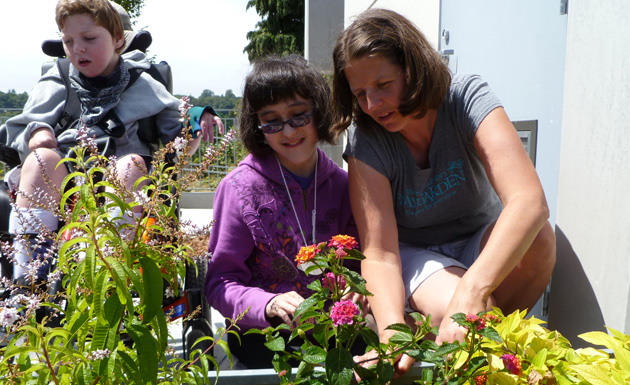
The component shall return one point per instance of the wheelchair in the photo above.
(191, 293)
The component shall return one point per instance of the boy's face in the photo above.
(90, 47)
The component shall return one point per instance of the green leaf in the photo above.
(539, 360)
(112, 310)
(99, 293)
(593, 374)
(305, 305)
(90, 266)
(356, 282)
(401, 338)
(275, 344)
(339, 366)
(491, 334)
(385, 371)
(147, 355)
(400, 327)
(314, 355)
(131, 367)
(370, 337)
(319, 333)
(153, 289)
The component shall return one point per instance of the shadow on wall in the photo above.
(573, 307)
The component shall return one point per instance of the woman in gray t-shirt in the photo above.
(451, 214)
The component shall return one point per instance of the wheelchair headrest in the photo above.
(140, 40)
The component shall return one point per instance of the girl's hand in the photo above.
(283, 306)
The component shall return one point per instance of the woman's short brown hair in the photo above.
(390, 35)
(103, 13)
(278, 79)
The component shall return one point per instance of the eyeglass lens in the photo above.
(298, 121)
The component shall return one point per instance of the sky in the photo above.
(202, 40)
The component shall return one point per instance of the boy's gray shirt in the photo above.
(452, 199)
(145, 97)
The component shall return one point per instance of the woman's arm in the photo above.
(512, 174)
(373, 208)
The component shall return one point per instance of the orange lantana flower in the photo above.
(306, 254)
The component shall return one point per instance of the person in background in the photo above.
(451, 214)
(286, 194)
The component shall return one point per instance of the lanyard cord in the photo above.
(313, 213)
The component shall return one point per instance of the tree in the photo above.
(132, 7)
(281, 30)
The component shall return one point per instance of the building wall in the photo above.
(424, 13)
(590, 287)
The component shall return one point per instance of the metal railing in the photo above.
(226, 162)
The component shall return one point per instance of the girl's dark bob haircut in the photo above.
(275, 80)
(392, 36)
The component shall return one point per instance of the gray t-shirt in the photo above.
(452, 199)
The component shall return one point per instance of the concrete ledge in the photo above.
(270, 377)
(197, 200)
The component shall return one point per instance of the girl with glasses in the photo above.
(286, 194)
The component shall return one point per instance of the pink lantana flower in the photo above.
(476, 320)
(512, 363)
(343, 312)
(343, 242)
(329, 281)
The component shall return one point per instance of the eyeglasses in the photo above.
(298, 121)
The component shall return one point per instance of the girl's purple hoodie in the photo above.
(255, 236)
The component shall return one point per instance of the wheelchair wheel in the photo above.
(201, 324)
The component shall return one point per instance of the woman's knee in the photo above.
(541, 256)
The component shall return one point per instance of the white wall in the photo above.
(590, 287)
(424, 13)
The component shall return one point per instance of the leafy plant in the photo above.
(497, 349)
(106, 324)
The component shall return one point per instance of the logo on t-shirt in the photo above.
(436, 190)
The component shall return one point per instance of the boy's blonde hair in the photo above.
(102, 11)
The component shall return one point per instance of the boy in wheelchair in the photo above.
(115, 94)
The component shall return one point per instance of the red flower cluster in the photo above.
(342, 312)
(329, 281)
(343, 242)
(481, 380)
(307, 253)
(492, 318)
(476, 320)
(512, 363)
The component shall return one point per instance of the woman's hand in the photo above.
(358, 299)
(42, 138)
(402, 363)
(283, 306)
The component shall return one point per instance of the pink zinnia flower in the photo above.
(343, 242)
(329, 281)
(342, 312)
(512, 363)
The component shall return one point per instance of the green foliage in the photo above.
(497, 349)
(229, 101)
(12, 99)
(133, 7)
(114, 274)
(281, 30)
